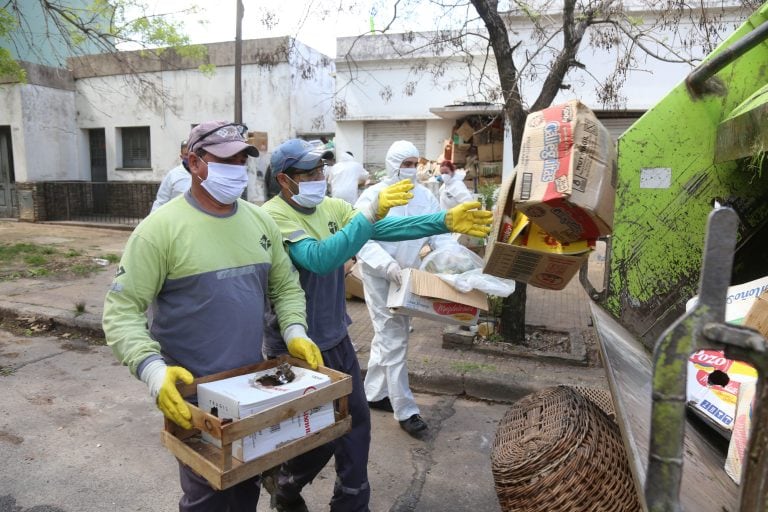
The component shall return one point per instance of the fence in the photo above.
(125, 203)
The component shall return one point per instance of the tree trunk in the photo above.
(513, 315)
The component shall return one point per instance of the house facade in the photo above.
(120, 118)
(404, 86)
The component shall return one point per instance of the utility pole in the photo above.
(238, 63)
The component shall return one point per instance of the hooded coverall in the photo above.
(387, 374)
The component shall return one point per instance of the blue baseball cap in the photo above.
(298, 155)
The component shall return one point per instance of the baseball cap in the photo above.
(220, 138)
(299, 155)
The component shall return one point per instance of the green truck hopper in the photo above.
(691, 218)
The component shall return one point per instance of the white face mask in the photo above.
(225, 182)
(311, 193)
(407, 173)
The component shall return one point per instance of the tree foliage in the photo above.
(50, 31)
(522, 54)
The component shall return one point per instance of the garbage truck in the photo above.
(690, 220)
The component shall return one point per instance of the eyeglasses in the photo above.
(315, 174)
(241, 128)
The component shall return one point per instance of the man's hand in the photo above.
(394, 195)
(300, 346)
(466, 218)
(161, 380)
(393, 273)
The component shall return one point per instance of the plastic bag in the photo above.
(451, 260)
(463, 269)
(475, 280)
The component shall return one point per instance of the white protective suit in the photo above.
(345, 177)
(387, 366)
(453, 191)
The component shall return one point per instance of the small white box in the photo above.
(237, 398)
(425, 295)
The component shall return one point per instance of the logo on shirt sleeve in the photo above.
(333, 227)
(265, 242)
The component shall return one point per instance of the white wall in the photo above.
(311, 93)
(107, 102)
(44, 134)
(350, 136)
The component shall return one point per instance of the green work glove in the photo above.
(301, 347)
(466, 218)
(161, 380)
(394, 195)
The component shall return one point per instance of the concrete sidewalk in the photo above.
(486, 374)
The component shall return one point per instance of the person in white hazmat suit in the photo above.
(386, 382)
(453, 191)
(345, 177)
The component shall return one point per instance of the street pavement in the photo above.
(77, 429)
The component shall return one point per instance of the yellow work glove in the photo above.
(394, 195)
(468, 219)
(301, 347)
(161, 380)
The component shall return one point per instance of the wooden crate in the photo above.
(217, 464)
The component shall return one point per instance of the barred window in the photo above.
(136, 147)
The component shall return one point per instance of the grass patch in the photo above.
(32, 260)
(472, 367)
(112, 258)
(79, 308)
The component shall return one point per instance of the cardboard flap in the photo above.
(429, 285)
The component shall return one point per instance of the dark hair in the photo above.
(448, 164)
(350, 153)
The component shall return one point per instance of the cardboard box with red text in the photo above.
(566, 173)
(425, 295)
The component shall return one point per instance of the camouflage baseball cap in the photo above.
(221, 139)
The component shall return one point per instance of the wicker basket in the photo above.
(599, 397)
(555, 450)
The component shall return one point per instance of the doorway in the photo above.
(9, 206)
(98, 152)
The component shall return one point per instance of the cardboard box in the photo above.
(465, 131)
(538, 259)
(757, 316)
(241, 396)
(489, 169)
(742, 425)
(490, 152)
(716, 403)
(425, 295)
(459, 153)
(566, 173)
(260, 140)
(739, 300)
(353, 282)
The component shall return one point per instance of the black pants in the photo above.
(351, 492)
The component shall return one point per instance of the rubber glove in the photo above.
(393, 273)
(300, 346)
(468, 219)
(161, 380)
(394, 195)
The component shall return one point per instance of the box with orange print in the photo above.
(566, 173)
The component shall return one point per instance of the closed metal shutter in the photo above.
(379, 136)
(617, 125)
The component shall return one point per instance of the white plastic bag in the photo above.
(475, 280)
(455, 259)
(463, 269)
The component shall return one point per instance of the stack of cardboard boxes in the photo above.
(559, 200)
